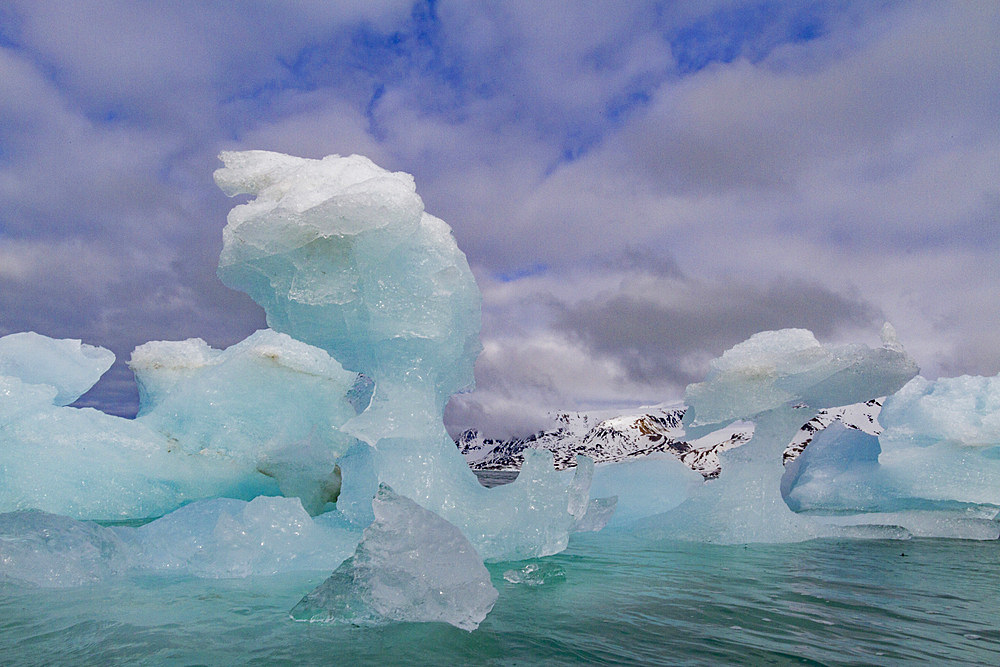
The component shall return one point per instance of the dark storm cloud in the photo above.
(656, 331)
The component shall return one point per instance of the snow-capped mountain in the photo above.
(646, 431)
(862, 416)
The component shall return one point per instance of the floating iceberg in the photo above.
(341, 255)
(276, 453)
(259, 418)
(778, 380)
(411, 565)
(934, 469)
(941, 439)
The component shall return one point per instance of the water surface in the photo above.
(609, 599)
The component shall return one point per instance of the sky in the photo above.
(638, 186)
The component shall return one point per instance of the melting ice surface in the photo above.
(278, 454)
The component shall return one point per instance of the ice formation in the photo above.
(270, 402)
(68, 366)
(644, 487)
(341, 254)
(219, 538)
(778, 380)
(276, 453)
(932, 471)
(411, 565)
(941, 439)
(375, 318)
(201, 430)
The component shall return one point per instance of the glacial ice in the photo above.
(202, 430)
(270, 402)
(341, 255)
(54, 551)
(86, 464)
(941, 439)
(933, 469)
(71, 367)
(778, 380)
(644, 487)
(275, 454)
(227, 538)
(411, 565)
(218, 538)
(835, 472)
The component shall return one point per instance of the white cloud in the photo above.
(865, 162)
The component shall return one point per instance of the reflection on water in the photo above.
(618, 601)
(491, 478)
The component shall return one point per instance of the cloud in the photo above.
(663, 331)
(635, 173)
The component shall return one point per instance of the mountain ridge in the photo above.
(646, 431)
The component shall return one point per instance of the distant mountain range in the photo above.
(643, 432)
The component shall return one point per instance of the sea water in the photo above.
(608, 599)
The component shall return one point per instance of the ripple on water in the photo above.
(609, 599)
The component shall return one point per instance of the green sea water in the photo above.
(609, 599)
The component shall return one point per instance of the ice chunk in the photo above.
(644, 487)
(837, 471)
(203, 431)
(599, 514)
(536, 573)
(941, 440)
(939, 450)
(210, 538)
(86, 464)
(341, 254)
(411, 565)
(213, 400)
(70, 366)
(778, 380)
(234, 538)
(55, 551)
(774, 369)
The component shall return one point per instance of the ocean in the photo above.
(611, 598)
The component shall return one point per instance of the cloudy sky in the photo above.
(638, 185)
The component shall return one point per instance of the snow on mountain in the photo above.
(644, 432)
(861, 416)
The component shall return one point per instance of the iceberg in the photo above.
(933, 469)
(411, 565)
(341, 255)
(941, 439)
(778, 380)
(270, 403)
(202, 429)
